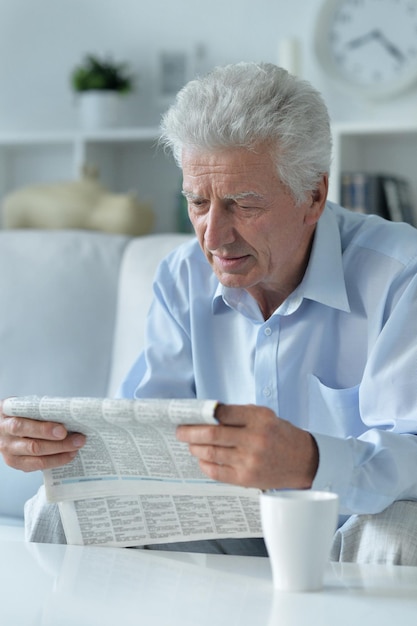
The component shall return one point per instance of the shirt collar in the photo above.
(323, 280)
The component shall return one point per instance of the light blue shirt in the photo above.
(338, 357)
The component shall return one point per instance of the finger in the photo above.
(219, 455)
(206, 435)
(36, 454)
(235, 473)
(221, 473)
(237, 415)
(34, 429)
(32, 464)
(29, 447)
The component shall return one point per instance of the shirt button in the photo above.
(266, 392)
(267, 331)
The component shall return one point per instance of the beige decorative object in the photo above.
(82, 204)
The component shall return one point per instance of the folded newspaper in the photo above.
(134, 483)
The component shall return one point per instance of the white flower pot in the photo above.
(100, 109)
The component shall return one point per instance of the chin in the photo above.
(233, 282)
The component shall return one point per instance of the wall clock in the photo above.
(369, 46)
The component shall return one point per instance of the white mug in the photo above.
(298, 528)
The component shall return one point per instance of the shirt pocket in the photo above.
(333, 412)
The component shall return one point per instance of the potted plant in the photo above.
(100, 85)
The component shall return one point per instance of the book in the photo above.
(386, 195)
(134, 483)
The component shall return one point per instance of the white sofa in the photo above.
(72, 310)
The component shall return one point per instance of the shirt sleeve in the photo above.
(368, 473)
(379, 466)
(164, 369)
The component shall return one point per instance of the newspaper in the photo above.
(134, 483)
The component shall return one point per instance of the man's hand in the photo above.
(252, 447)
(31, 445)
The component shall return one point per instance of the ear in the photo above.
(317, 201)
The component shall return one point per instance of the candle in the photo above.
(289, 55)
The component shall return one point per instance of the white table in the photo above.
(50, 585)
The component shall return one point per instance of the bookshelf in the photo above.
(127, 159)
(389, 148)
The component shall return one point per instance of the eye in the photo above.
(193, 200)
(247, 209)
(247, 203)
(198, 205)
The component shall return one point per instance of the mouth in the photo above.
(230, 263)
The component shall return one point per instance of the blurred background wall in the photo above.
(42, 40)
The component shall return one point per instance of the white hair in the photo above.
(247, 105)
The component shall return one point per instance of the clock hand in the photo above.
(363, 39)
(378, 36)
(389, 46)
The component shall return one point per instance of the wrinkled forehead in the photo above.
(231, 174)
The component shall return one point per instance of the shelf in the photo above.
(127, 159)
(376, 128)
(36, 138)
(122, 134)
(70, 136)
(380, 148)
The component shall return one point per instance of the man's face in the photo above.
(247, 223)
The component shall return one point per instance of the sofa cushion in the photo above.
(58, 292)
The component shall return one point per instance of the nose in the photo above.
(219, 226)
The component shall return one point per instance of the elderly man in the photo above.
(299, 316)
